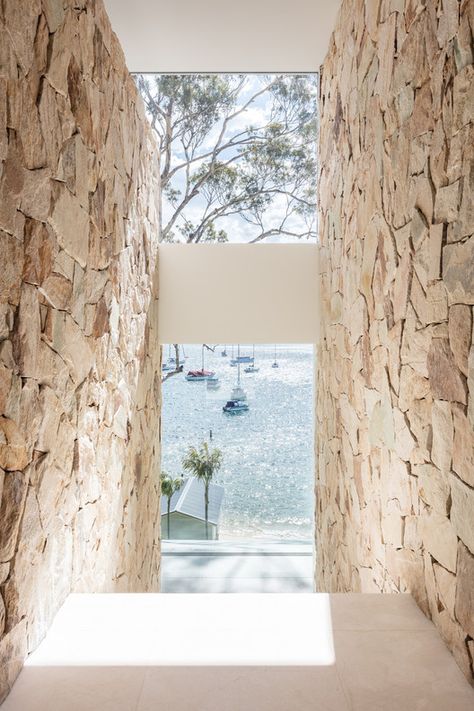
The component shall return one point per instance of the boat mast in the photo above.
(238, 365)
(202, 359)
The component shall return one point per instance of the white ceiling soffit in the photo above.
(222, 35)
(238, 293)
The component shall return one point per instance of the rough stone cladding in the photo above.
(79, 360)
(395, 425)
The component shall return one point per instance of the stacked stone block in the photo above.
(79, 354)
(395, 426)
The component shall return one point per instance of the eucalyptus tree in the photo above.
(235, 147)
(169, 486)
(204, 464)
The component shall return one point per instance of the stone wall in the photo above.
(79, 361)
(395, 483)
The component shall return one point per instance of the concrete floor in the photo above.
(231, 567)
(256, 652)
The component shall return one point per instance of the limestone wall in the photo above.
(395, 483)
(79, 362)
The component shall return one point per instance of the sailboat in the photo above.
(224, 352)
(171, 362)
(251, 368)
(172, 358)
(241, 358)
(275, 362)
(237, 401)
(196, 375)
(168, 365)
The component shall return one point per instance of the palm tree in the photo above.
(168, 488)
(203, 464)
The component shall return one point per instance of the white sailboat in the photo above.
(275, 362)
(251, 368)
(168, 365)
(238, 397)
(198, 375)
(241, 358)
(171, 363)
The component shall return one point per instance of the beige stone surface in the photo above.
(13, 447)
(13, 649)
(14, 490)
(464, 605)
(442, 432)
(433, 487)
(12, 265)
(71, 224)
(439, 539)
(463, 447)
(460, 334)
(447, 203)
(396, 162)
(461, 511)
(79, 354)
(446, 587)
(446, 380)
(458, 271)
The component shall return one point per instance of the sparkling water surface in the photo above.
(267, 467)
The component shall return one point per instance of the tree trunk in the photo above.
(168, 522)
(206, 508)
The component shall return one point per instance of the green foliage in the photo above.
(169, 485)
(215, 166)
(202, 462)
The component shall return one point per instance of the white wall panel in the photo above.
(238, 293)
(223, 35)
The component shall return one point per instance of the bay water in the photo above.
(268, 459)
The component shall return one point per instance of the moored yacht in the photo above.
(237, 401)
(233, 407)
(275, 362)
(201, 374)
(252, 367)
(173, 362)
(240, 358)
